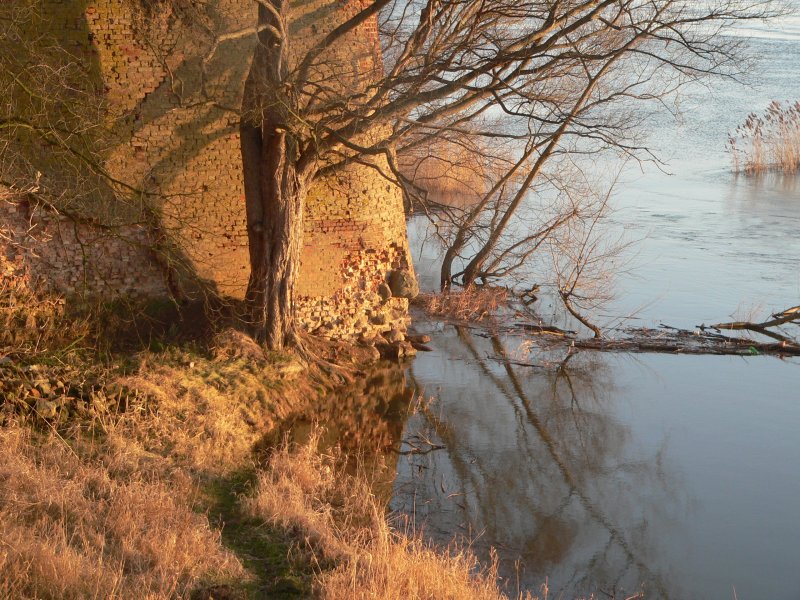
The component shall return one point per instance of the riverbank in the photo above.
(160, 473)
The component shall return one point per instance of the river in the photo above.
(608, 474)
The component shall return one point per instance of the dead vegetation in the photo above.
(102, 524)
(768, 142)
(344, 529)
(109, 459)
(473, 303)
(32, 322)
(776, 336)
(680, 341)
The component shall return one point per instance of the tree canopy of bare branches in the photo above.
(527, 80)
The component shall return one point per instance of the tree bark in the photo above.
(275, 199)
(275, 190)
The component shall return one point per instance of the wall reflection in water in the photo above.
(535, 464)
(365, 419)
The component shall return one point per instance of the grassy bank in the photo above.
(154, 473)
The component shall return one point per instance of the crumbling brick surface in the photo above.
(71, 257)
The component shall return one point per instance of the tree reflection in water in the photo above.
(535, 464)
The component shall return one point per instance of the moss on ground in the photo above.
(264, 551)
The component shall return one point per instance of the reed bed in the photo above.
(769, 142)
(454, 173)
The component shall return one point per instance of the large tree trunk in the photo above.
(275, 191)
(275, 199)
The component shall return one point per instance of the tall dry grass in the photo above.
(100, 526)
(768, 142)
(344, 529)
(108, 504)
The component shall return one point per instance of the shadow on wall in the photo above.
(132, 206)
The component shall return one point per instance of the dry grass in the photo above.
(473, 303)
(209, 413)
(344, 528)
(768, 142)
(99, 526)
(109, 506)
(33, 323)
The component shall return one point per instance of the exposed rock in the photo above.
(384, 291)
(403, 284)
(395, 336)
(47, 409)
(396, 351)
(419, 339)
(367, 337)
(366, 353)
(388, 351)
(406, 350)
(421, 347)
(378, 319)
(44, 387)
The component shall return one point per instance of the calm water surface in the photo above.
(604, 473)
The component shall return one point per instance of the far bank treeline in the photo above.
(261, 150)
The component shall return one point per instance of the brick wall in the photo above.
(173, 96)
(54, 250)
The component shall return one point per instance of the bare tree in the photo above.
(555, 73)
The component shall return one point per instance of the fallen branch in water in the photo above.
(706, 339)
(790, 315)
(687, 342)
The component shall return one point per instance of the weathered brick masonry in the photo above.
(173, 93)
(73, 256)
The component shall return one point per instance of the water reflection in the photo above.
(535, 464)
(365, 419)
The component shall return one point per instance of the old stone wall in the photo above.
(173, 76)
(52, 249)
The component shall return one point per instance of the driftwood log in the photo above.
(678, 341)
(705, 339)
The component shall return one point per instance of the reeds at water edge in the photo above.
(768, 142)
